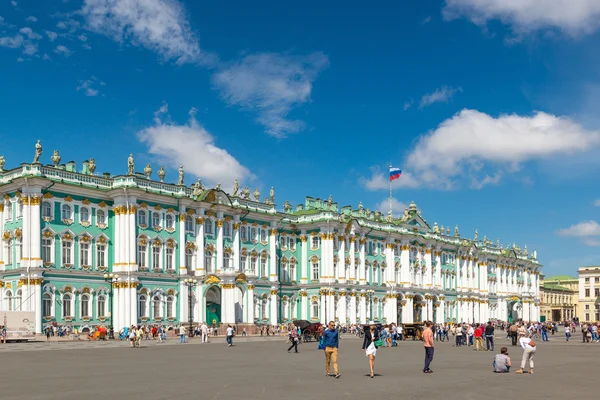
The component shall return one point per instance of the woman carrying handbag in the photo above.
(370, 344)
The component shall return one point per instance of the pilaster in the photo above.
(200, 268)
(342, 307)
(273, 274)
(305, 273)
(405, 265)
(182, 267)
(352, 254)
(219, 252)
(236, 245)
(274, 312)
(363, 307)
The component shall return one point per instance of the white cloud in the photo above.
(408, 104)
(478, 149)
(271, 85)
(397, 206)
(13, 42)
(574, 17)
(194, 147)
(82, 37)
(62, 50)
(30, 49)
(86, 46)
(426, 20)
(597, 203)
(14, 3)
(441, 95)
(588, 231)
(87, 86)
(51, 35)
(31, 19)
(30, 33)
(161, 26)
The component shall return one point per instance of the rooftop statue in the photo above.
(525, 251)
(329, 201)
(272, 195)
(535, 254)
(442, 230)
(236, 188)
(92, 166)
(405, 216)
(198, 188)
(390, 216)
(181, 175)
(161, 173)
(485, 239)
(476, 235)
(2, 162)
(218, 187)
(246, 193)
(38, 152)
(448, 231)
(360, 207)
(257, 194)
(287, 207)
(55, 158)
(498, 243)
(456, 234)
(130, 165)
(148, 171)
(436, 229)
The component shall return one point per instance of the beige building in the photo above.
(559, 297)
(589, 293)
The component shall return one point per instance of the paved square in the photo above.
(262, 369)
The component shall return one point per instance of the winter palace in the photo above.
(83, 249)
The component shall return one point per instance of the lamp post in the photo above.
(370, 292)
(190, 283)
(110, 278)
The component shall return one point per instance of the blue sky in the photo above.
(488, 106)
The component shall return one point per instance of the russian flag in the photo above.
(395, 173)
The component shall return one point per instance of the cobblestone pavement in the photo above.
(260, 368)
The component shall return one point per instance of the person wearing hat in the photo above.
(370, 343)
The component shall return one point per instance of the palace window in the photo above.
(208, 226)
(244, 233)
(101, 306)
(170, 302)
(19, 300)
(47, 304)
(189, 254)
(263, 266)
(315, 242)
(283, 242)
(155, 257)
(84, 215)
(189, 224)
(101, 217)
(67, 252)
(101, 255)
(142, 302)
(315, 310)
(9, 211)
(226, 260)
(292, 271)
(156, 307)
(46, 250)
(284, 270)
(66, 211)
(587, 280)
(46, 209)
(226, 229)
(142, 255)
(263, 235)
(142, 218)
(293, 244)
(587, 292)
(596, 292)
(315, 271)
(169, 258)
(84, 253)
(253, 234)
(155, 219)
(67, 305)
(170, 221)
(85, 305)
(243, 260)
(19, 210)
(253, 265)
(19, 249)
(208, 261)
(9, 300)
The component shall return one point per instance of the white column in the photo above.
(36, 231)
(236, 246)
(304, 304)
(305, 273)
(351, 253)
(273, 274)
(2, 267)
(342, 307)
(183, 302)
(274, 307)
(389, 279)
(361, 269)
(119, 293)
(352, 300)
(405, 265)
(363, 308)
(526, 316)
(428, 273)
(441, 310)
(429, 309)
(25, 236)
(227, 303)
(250, 304)
(182, 269)
(341, 272)
(36, 285)
(408, 316)
(324, 305)
(438, 269)
(126, 294)
(116, 245)
(200, 268)
(131, 245)
(219, 255)
(392, 309)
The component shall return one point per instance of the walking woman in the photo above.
(371, 342)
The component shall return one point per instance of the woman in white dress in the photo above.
(372, 335)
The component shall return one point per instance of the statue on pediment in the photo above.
(181, 175)
(2, 162)
(130, 165)
(55, 158)
(287, 207)
(476, 235)
(456, 233)
(436, 229)
(246, 193)
(161, 173)
(257, 194)
(236, 188)
(198, 188)
(148, 171)
(272, 195)
(92, 166)
(38, 152)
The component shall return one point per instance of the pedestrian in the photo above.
(293, 340)
(204, 331)
(331, 341)
(372, 340)
(181, 334)
(428, 344)
(502, 361)
(528, 346)
(567, 332)
(478, 333)
(489, 336)
(229, 336)
(48, 331)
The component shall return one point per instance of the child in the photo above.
(502, 361)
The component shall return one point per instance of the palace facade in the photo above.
(63, 230)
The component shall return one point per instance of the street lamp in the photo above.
(370, 293)
(190, 283)
(110, 278)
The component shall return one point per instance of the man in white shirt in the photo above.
(204, 331)
(181, 334)
(528, 346)
(229, 335)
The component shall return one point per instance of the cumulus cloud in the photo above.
(88, 87)
(30, 33)
(441, 95)
(63, 50)
(160, 26)
(12, 42)
(397, 206)
(479, 149)
(194, 147)
(408, 104)
(588, 231)
(31, 19)
(271, 85)
(51, 35)
(597, 203)
(575, 18)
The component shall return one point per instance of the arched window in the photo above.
(46, 250)
(169, 221)
(19, 300)
(284, 270)
(315, 270)
(101, 255)
(226, 260)
(208, 226)
(243, 260)
(67, 252)
(155, 257)
(189, 254)
(292, 271)
(208, 261)
(226, 229)
(85, 306)
(263, 309)
(170, 307)
(9, 211)
(169, 258)
(293, 244)
(156, 307)
(253, 234)
(67, 305)
(46, 209)
(263, 235)
(47, 304)
(253, 265)
(84, 253)
(142, 218)
(8, 250)
(315, 310)
(155, 219)
(189, 224)
(263, 267)
(101, 217)
(66, 211)
(142, 255)
(84, 214)
(315, 242)
(101, 306)
(142, 310)
(9, 300)
(244, 233)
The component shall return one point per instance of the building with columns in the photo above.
(589, 293)
(64, 228)
(559, 298)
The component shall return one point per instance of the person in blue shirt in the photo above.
(331, 341)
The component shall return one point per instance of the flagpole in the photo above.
(390, 188)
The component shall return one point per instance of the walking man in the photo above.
(294, 340)
(181, 334)
(331, 341)
(428, 343)
(204, 332)
(489, 336)
(229, 335)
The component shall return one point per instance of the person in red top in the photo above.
(479, 337)
(428, 343)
